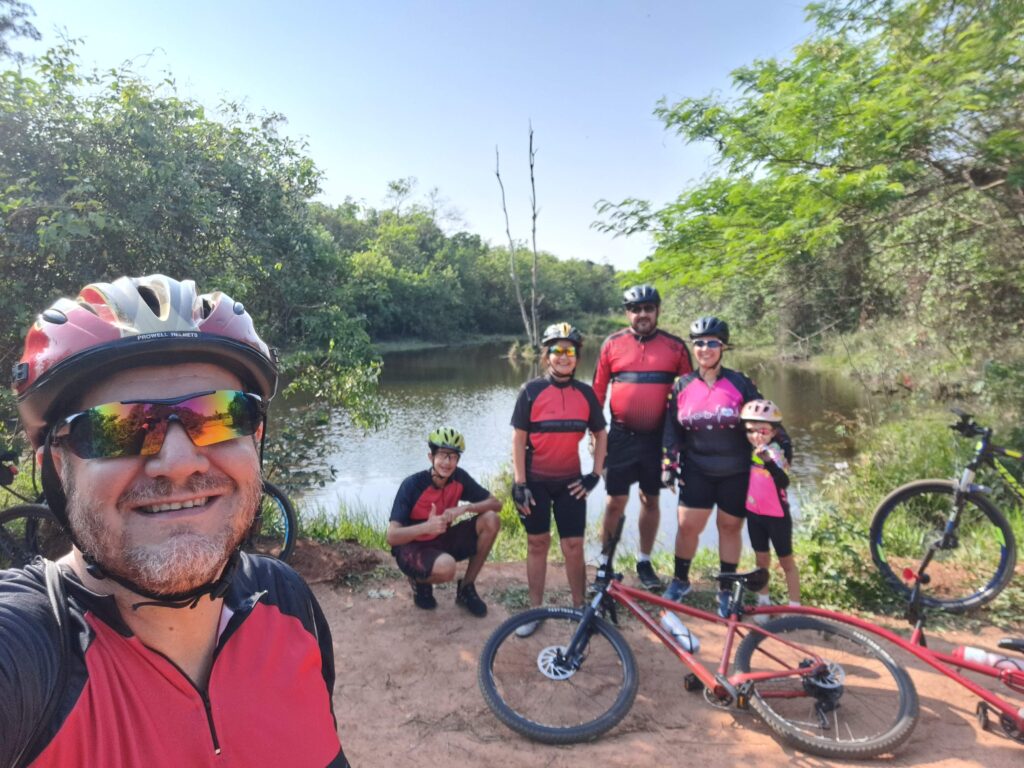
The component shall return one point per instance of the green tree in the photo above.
(104, 174)
(887, 151)
(14, 22)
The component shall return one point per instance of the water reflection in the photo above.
(473, 389)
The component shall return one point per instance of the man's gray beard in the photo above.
(185, 560)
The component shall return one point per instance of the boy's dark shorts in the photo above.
(702, 491)
(570, 512)
(417, 558)
(633, 457)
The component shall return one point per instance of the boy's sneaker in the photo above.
(724, 598)
(650, 580)
(423, 595)
(527, 629)
(466, 596)
(677, 590)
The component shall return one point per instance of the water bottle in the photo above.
(981, 656)
(686, 639)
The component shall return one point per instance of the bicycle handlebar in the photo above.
(967, 426)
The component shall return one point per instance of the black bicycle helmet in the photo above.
(641, 294)
(562, 331)
(710, 326)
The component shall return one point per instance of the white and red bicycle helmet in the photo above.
(130, 323)
(761, 410)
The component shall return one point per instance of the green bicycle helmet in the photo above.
(448, 438)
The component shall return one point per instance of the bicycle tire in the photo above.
(877, 702)
(275, 527)
(28, 531)
(517, 676)
(966, 576)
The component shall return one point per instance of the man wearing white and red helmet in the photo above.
(145, 402)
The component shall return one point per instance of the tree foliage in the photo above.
(877, 173)
(14, 22)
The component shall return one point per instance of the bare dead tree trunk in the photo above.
(533, 271)
(531, 333)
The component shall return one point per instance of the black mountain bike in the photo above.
(951, 526)
(29, 529)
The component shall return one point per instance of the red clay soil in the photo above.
(407, 695)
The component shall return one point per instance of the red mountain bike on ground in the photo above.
(818, 678)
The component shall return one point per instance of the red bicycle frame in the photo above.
(723, 684)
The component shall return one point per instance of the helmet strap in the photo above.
(53, 488)
(188, 599)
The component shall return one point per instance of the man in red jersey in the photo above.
(155, 641)
(639, 363)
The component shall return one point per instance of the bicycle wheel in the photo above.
(863, 704)
(972, 570)
(274, 530)
(28, 530)
(536, 693)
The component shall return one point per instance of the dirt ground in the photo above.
(406, 692)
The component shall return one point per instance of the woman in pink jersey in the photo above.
(706, 450)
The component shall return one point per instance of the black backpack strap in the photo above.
(59, 606)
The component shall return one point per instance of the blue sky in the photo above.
(387, 90)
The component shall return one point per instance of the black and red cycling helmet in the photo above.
(130, 323)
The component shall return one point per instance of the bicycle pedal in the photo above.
(981, 712)
(692, 683)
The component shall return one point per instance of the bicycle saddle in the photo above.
(1012, 644)
(754, 580)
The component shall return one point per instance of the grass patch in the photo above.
(349, 523)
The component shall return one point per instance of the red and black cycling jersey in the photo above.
(417, 494)
(268, 701)
(641, 370)
(703, 427)
(555, 415)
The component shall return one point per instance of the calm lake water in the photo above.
(474, 388)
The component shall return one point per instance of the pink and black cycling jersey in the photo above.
(417, 494)
(555, 417)
(703, 427)
(766, 491)
(268, 701)
(640, 370)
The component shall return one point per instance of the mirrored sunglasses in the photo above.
(560, 351)
(709, 343)
(138, 427)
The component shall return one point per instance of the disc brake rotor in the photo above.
(552, 663)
